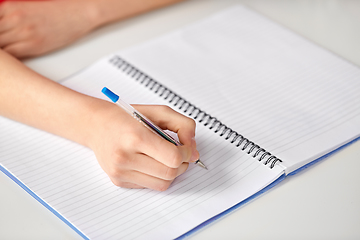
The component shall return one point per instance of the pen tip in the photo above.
(201, 164)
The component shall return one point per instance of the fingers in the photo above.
(167, 118)
(150, 181)
(20, 49)
(135, 157)
(10, 37)
(5, 25)
(2, 9)
(143, 171)
(135, 179)
(11, 40)
(156, 164)
(151, 167)
(8, 18)
(163, 151)
(9, 34)
(129, 185)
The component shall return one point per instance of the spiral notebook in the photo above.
(267, 102)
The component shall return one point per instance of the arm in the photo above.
(130, 154)
(31, 28)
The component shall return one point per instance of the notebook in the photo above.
(267, 102)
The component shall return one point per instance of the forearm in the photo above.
(128, 152)
(106, 11)
(30, 98)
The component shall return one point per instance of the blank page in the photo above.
(68, 177)
(286, 94)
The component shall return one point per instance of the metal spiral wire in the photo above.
(196, 113)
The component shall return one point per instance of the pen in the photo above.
(146, 122)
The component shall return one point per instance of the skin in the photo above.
(131, 155)
(33, 28)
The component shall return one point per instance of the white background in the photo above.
(322, 202)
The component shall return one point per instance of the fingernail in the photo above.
(194, 156)
(195, 153)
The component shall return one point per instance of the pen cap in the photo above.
(113, 97)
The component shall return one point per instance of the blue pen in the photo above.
(146, 122)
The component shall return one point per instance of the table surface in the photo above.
(322, 202)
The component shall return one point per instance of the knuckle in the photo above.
(192, 122)
(185, 167)
(118, 177)
(122, 160)
(170, 173)
(165, 108)
(175, 159)
(114, 174)
(134, 140)
(119, 183)
(163, 185)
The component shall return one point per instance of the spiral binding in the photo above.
(202, 117)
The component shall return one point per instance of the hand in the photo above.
(128, 152)
(133, 156)
(31, 28)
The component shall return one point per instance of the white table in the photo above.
(322, 202)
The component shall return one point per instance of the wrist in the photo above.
(94, 13)
(98, 121)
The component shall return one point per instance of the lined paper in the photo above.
(289, 96)
(286, 94)
(68, 177)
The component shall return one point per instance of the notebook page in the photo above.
(68, 177)
(286, 94)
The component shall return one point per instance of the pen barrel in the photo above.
(155, 129)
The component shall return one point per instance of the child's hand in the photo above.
(129, 153)
(31, 28)
(135, 157)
